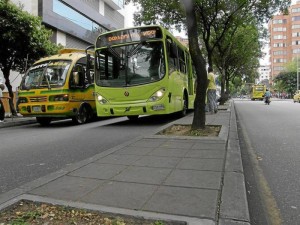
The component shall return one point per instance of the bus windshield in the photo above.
(129, 65)
(46, 74)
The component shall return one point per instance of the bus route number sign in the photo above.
(131, 35)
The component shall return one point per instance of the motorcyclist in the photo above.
(267, 96)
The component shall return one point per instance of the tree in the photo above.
(213, 18)
(286, 81)
(232, 60)
(23, 40)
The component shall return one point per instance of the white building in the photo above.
(75, 24)
(264, 74)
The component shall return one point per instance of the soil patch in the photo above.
(31, 213)
(186, 130)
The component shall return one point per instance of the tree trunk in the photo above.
(199, 63)
(6, 73)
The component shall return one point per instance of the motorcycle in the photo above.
(267, 100)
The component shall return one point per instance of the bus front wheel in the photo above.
(43, 121)
(82, 116)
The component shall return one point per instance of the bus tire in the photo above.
(185, 106)
(44, 121)
(82, 115)
(133, 118)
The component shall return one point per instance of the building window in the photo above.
(279, 53)
(296, 18)
(296, 51)
(277, 45)
(280, 61)
(279, 29)
(295, 10)
(296, 34)
(296, 26)
(75, 17)
(278, 68)
(279, 21)
(278, 37)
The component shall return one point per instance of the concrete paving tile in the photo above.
(134, 150)
(98, 171)
(149, 143)
(195, 179)
(178, 144)
(172, 152)
(119, 159)
(146, 175)
(184, 201)
(206, 154)
(67, 188)
(206, 146)
(201, 164)
(232, 222)
(121, 194)
(157, 161)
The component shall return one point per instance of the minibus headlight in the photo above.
(157, 95)
(101, 99)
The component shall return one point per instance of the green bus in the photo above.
(142, 71)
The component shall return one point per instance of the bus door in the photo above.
(81, 82)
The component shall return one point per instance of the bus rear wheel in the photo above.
(82, 116)
(44, 121)
(133, 118)
(184, 106)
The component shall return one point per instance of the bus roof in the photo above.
(73, 50)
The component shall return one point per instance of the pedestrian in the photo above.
(2, 111)
(211, 92)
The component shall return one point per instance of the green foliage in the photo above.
(286, 82)
(22, 36)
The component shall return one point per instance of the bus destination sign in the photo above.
(130, 35)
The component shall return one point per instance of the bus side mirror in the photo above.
(173, 51)
(75, 80)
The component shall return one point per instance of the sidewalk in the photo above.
(198, 180)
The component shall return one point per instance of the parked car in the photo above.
(296, 97)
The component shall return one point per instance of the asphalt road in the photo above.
(270, 144)
(30, 151)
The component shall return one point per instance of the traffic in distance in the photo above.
(131, 72)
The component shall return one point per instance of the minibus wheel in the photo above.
(82, 115)
(43, 121)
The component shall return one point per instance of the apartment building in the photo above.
(284, 39)
(264, 75)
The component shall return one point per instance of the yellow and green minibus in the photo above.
(59, 86)
(142, 71)
(257, 92)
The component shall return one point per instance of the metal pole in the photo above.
(297, 71)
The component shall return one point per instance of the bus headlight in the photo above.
(101, 99)
(157, 95)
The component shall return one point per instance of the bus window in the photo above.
(172, 55)
(130, 64)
